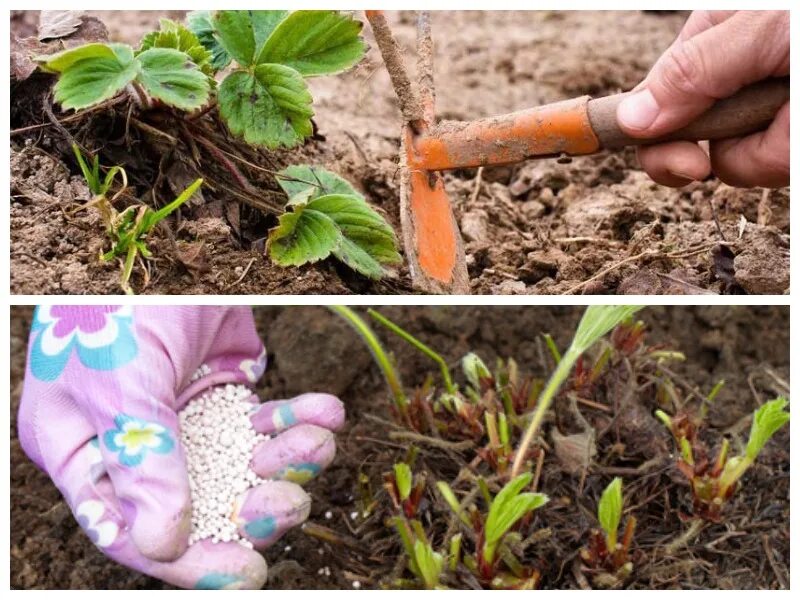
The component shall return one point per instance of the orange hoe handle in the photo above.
(582, 126)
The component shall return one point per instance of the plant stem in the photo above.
(383, 360)
(127, 269)
(427, 351)
(695, 528)
(542, 405)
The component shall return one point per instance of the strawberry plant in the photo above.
(327, 217)
(607, 558)
(494, 530)
(714, 482)
(264, 99)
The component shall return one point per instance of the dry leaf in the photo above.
(59, 23)
(575, 451)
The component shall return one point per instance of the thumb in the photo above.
(697, 71)
(145, 461)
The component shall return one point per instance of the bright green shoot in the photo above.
(597, 321)
(381, 357)
(508, 507)
(404, 479)
(609, 512)
(766, 421)
(98, 185)
(129, 229)
(475, 370)
(425, 563)
(447, 493)
(429, 563)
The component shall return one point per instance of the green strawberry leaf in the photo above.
(170, 76)
(61, 61)
(235, 33)
(264, 23)
(301, 237)
(271, 107)
(94, 78)
(368, 242)
(176, 36)
(303, 183)
(358, 259)
(315, 42)
(200, 23)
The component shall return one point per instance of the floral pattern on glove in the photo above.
(254, 369)
(90, 518)
(133, 438)
(101, 336)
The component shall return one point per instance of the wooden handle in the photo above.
(751, 109)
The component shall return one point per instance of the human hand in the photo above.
(99, 415)
(716, 54)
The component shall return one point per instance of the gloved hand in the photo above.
(98, 414)
(716, 54)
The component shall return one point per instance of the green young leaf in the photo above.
(429, 563)
(271, 107)
(170, 76)
(303, 183)
(474, 369)
(403, 479)
(92, 79)
(61, 61)
(766, 421)
(447, 493)
(508, 507)
(176, 36)
(315, 42)
(235, 33)
(609, 511)
(597, 321)
(303, 236)
(200, 23)
(362, 226)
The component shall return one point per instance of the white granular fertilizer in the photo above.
(218, 440)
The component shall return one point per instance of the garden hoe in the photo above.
(574, 127)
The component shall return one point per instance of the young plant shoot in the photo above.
(506, 510)
(607, 557)
(597, 321)
(405, 489)
(713, 483)
(424, 562)
(129, 229)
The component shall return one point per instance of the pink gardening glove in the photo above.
(98, 414)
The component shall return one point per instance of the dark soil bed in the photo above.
(746, 346)
(539, 227)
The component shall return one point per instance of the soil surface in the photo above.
(746, 346)
(594, 225)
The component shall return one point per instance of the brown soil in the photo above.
(537, 227)
(747, 346)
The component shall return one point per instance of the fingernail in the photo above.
(638, 110)
(689, 179)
